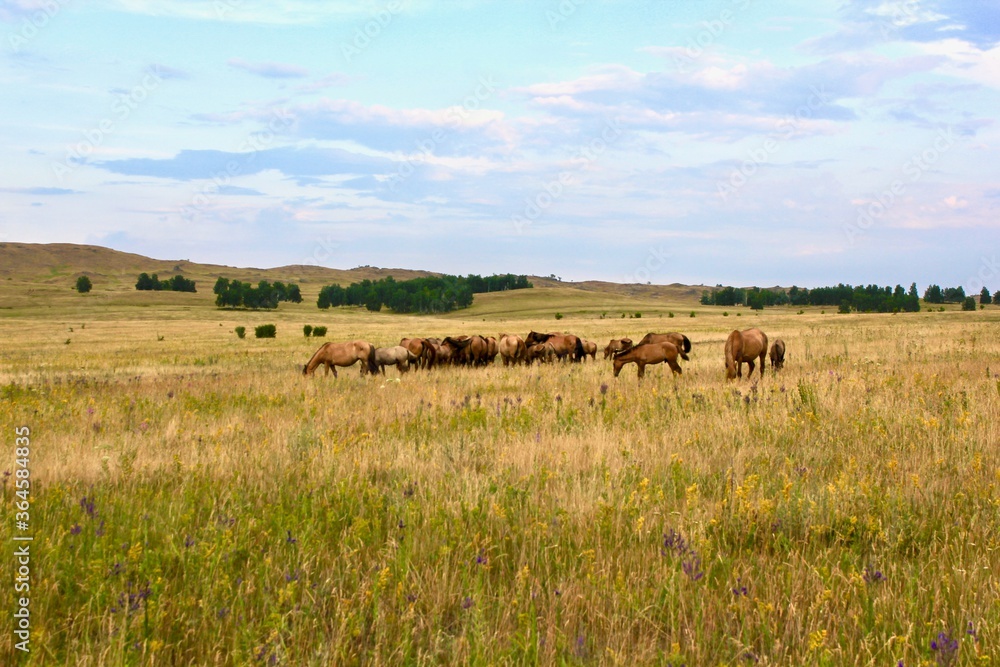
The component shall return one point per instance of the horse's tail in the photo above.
(372, 366)
(685, 347)
(313, 360)
(580, 352)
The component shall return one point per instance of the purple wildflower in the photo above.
(100, 529)
(88, 506)
(673, 541)
(467, 602)
(290, 539)
(481, 558)
(872, 576)
(740, 589)
(75, 530)
(188, 542)
(945, 649)
(692, 567)
(604, 388)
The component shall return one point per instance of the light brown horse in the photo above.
(468, 350)
(421, 348)
(511, 348)
(492, 349)
(681, 341)
(746, 345)
(649, 353)
(777, 354)
(589, 347)
(343, 355)
(565, 345)
(617, 345)
(397, 356)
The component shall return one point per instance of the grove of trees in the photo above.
(174, 284)
(860, 298)
(237, 294)
(434, 294)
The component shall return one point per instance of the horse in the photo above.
(616, 345)
(544, 352)
(646, 354)
(565, 345)
(777, 354)
(422, 349)
(511, 349)
(492, 349)
(745, 345)
(397, 356)
(343, 355)
(469, 350)
(682, 342)
(590, 347)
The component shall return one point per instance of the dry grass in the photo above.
(845, 511)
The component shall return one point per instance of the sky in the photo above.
(734, 142)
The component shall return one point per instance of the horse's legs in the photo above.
(331, 367)
(762, 354)
(642, 369)
(674, 366)
(750, 366)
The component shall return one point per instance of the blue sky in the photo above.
(733, 141)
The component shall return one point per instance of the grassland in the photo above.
(197, 501)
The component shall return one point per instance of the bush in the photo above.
(692, 313)
(725, 313)
(307, 330)
(241, 332)
(559, 316)
(638, 315)
(319, 332)
(265, 331)
(845, 307)
(83, 284)
(670, 314)
(969, 303)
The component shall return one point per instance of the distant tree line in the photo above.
(860, 298)
(174, 284)
(237, 294)
(435, 294)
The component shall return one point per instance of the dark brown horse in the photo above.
(565, 345)
(468, 350)
(421, 348)
(681, 341)
(543, 352)
(617, 345)
(777, 354)
(343, 355)
(745, 346)
(649, 353)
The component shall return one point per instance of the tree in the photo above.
(933, 294)
(969, 303)
(83, 284)
(984, 297)
(996, 298)
(144, 282)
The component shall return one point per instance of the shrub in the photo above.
(692, 313)
(670, 314)
(241, 332)
(638, 315)
(319, 332)
(559, 316)
(725, 313)
(845, 307)
(307, 330)
(83, 284)
(265, 331)
(969, 303)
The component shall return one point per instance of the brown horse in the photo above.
(649, 353)
(746, 345)
(492, 349)
(590, 347)
(777, 354)
(343, 355)
(511, 348)
(678, 339)
(468, 350)
(397, 356)
(421, 348)
(544, 352)
(617, 345)
(565, 345)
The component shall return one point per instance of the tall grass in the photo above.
(198, 501)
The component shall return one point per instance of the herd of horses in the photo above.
(747, 346)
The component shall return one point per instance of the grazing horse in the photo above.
(590, 347)
(511, 349)
(544, 352)
(565, 345)
(777, 354)
(343, 355)
(397, 356)
(680, 340)
(646, 354)
(469, 350)
(617, 345)
(746, 345)
(492, 349)
(422, 349)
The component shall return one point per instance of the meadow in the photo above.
(196, 500)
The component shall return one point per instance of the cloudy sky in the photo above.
(726, 141)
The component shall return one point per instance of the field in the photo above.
(196, 500)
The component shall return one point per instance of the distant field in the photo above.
(196, 500)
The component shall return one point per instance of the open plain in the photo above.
(196, 500)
